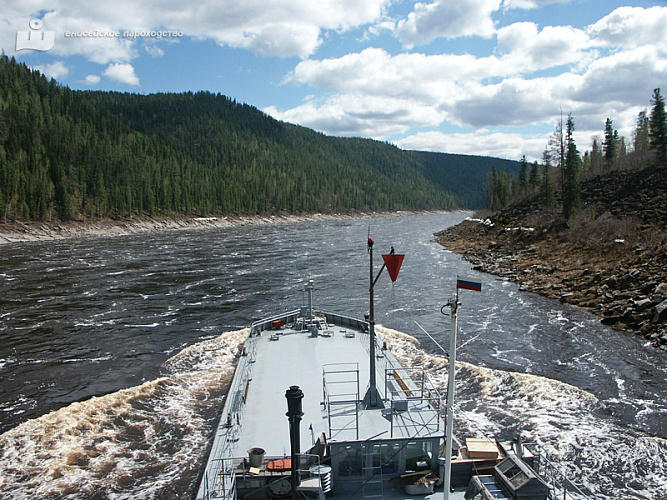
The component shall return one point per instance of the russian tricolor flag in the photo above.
(467, 284)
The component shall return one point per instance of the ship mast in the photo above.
(393, 263)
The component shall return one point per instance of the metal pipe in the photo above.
(294, 413)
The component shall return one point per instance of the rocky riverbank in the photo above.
(42, 231)
(17, 232)
(611, 259)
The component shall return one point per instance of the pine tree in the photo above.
(658, 126)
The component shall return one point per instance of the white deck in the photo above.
(298, 359)
(254, 412)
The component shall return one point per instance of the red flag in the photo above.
(393, 263)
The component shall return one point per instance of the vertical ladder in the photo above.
(372, 469)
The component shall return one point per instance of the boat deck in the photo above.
(331, 366)
(286, 357)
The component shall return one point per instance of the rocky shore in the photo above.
(611, 259)
(17, 232)
(42, 231)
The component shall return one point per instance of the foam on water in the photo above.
(143, 442)
(574, 426)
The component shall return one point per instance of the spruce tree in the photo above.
(609, 144)
(641, 135)
(658, 126)
(571, 190)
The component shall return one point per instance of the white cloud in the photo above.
(480, 142)
(448, 19)
(123, 73)
(632, 27)
(54, 70)
(269, 27)
(529, 4)
(523, 45)
(154, 50)
(427, 78)
(624, 77)
(360, 115)
(92, 79)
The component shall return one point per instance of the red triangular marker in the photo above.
(393, 263)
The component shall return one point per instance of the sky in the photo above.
(483, 77)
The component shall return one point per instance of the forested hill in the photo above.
(68, 154)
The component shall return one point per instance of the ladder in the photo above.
(373, 483)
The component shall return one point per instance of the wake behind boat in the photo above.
(358, 423)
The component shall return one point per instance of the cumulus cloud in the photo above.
(448, 19)
(122, 73)
(482, 142)
(632, 27)
(92, 79)
(360, 115)
(429, 78)
(623, 77)
(269, 27)
(529, 4)
(535, 50)
(54, 70)
(405, 97)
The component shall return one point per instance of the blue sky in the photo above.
(487, 77)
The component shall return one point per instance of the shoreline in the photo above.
(624, 285)
(27, 232)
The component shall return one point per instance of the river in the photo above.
(116, 352)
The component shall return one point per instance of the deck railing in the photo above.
(222, 477)
(562, 488)
(341, 391)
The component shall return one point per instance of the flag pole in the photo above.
(466, 284)
(450, 396)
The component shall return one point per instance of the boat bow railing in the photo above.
(225, 476)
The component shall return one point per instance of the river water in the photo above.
(116, 352)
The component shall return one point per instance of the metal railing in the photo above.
(562, 488)
(340, 386)
(406, 386)
(222, 477)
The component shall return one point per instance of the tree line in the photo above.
(556, 178)
(67, 154)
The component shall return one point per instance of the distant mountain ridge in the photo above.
(68, 154)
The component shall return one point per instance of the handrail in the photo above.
(220, 478)
(266, 322)
(545, 467)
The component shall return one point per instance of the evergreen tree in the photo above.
(534, 178)
(596, 156)
(658, 126)
(641, 135)
(73, 154)
(523, 174)
(547, 190)
(609, 144)
(571, 189)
